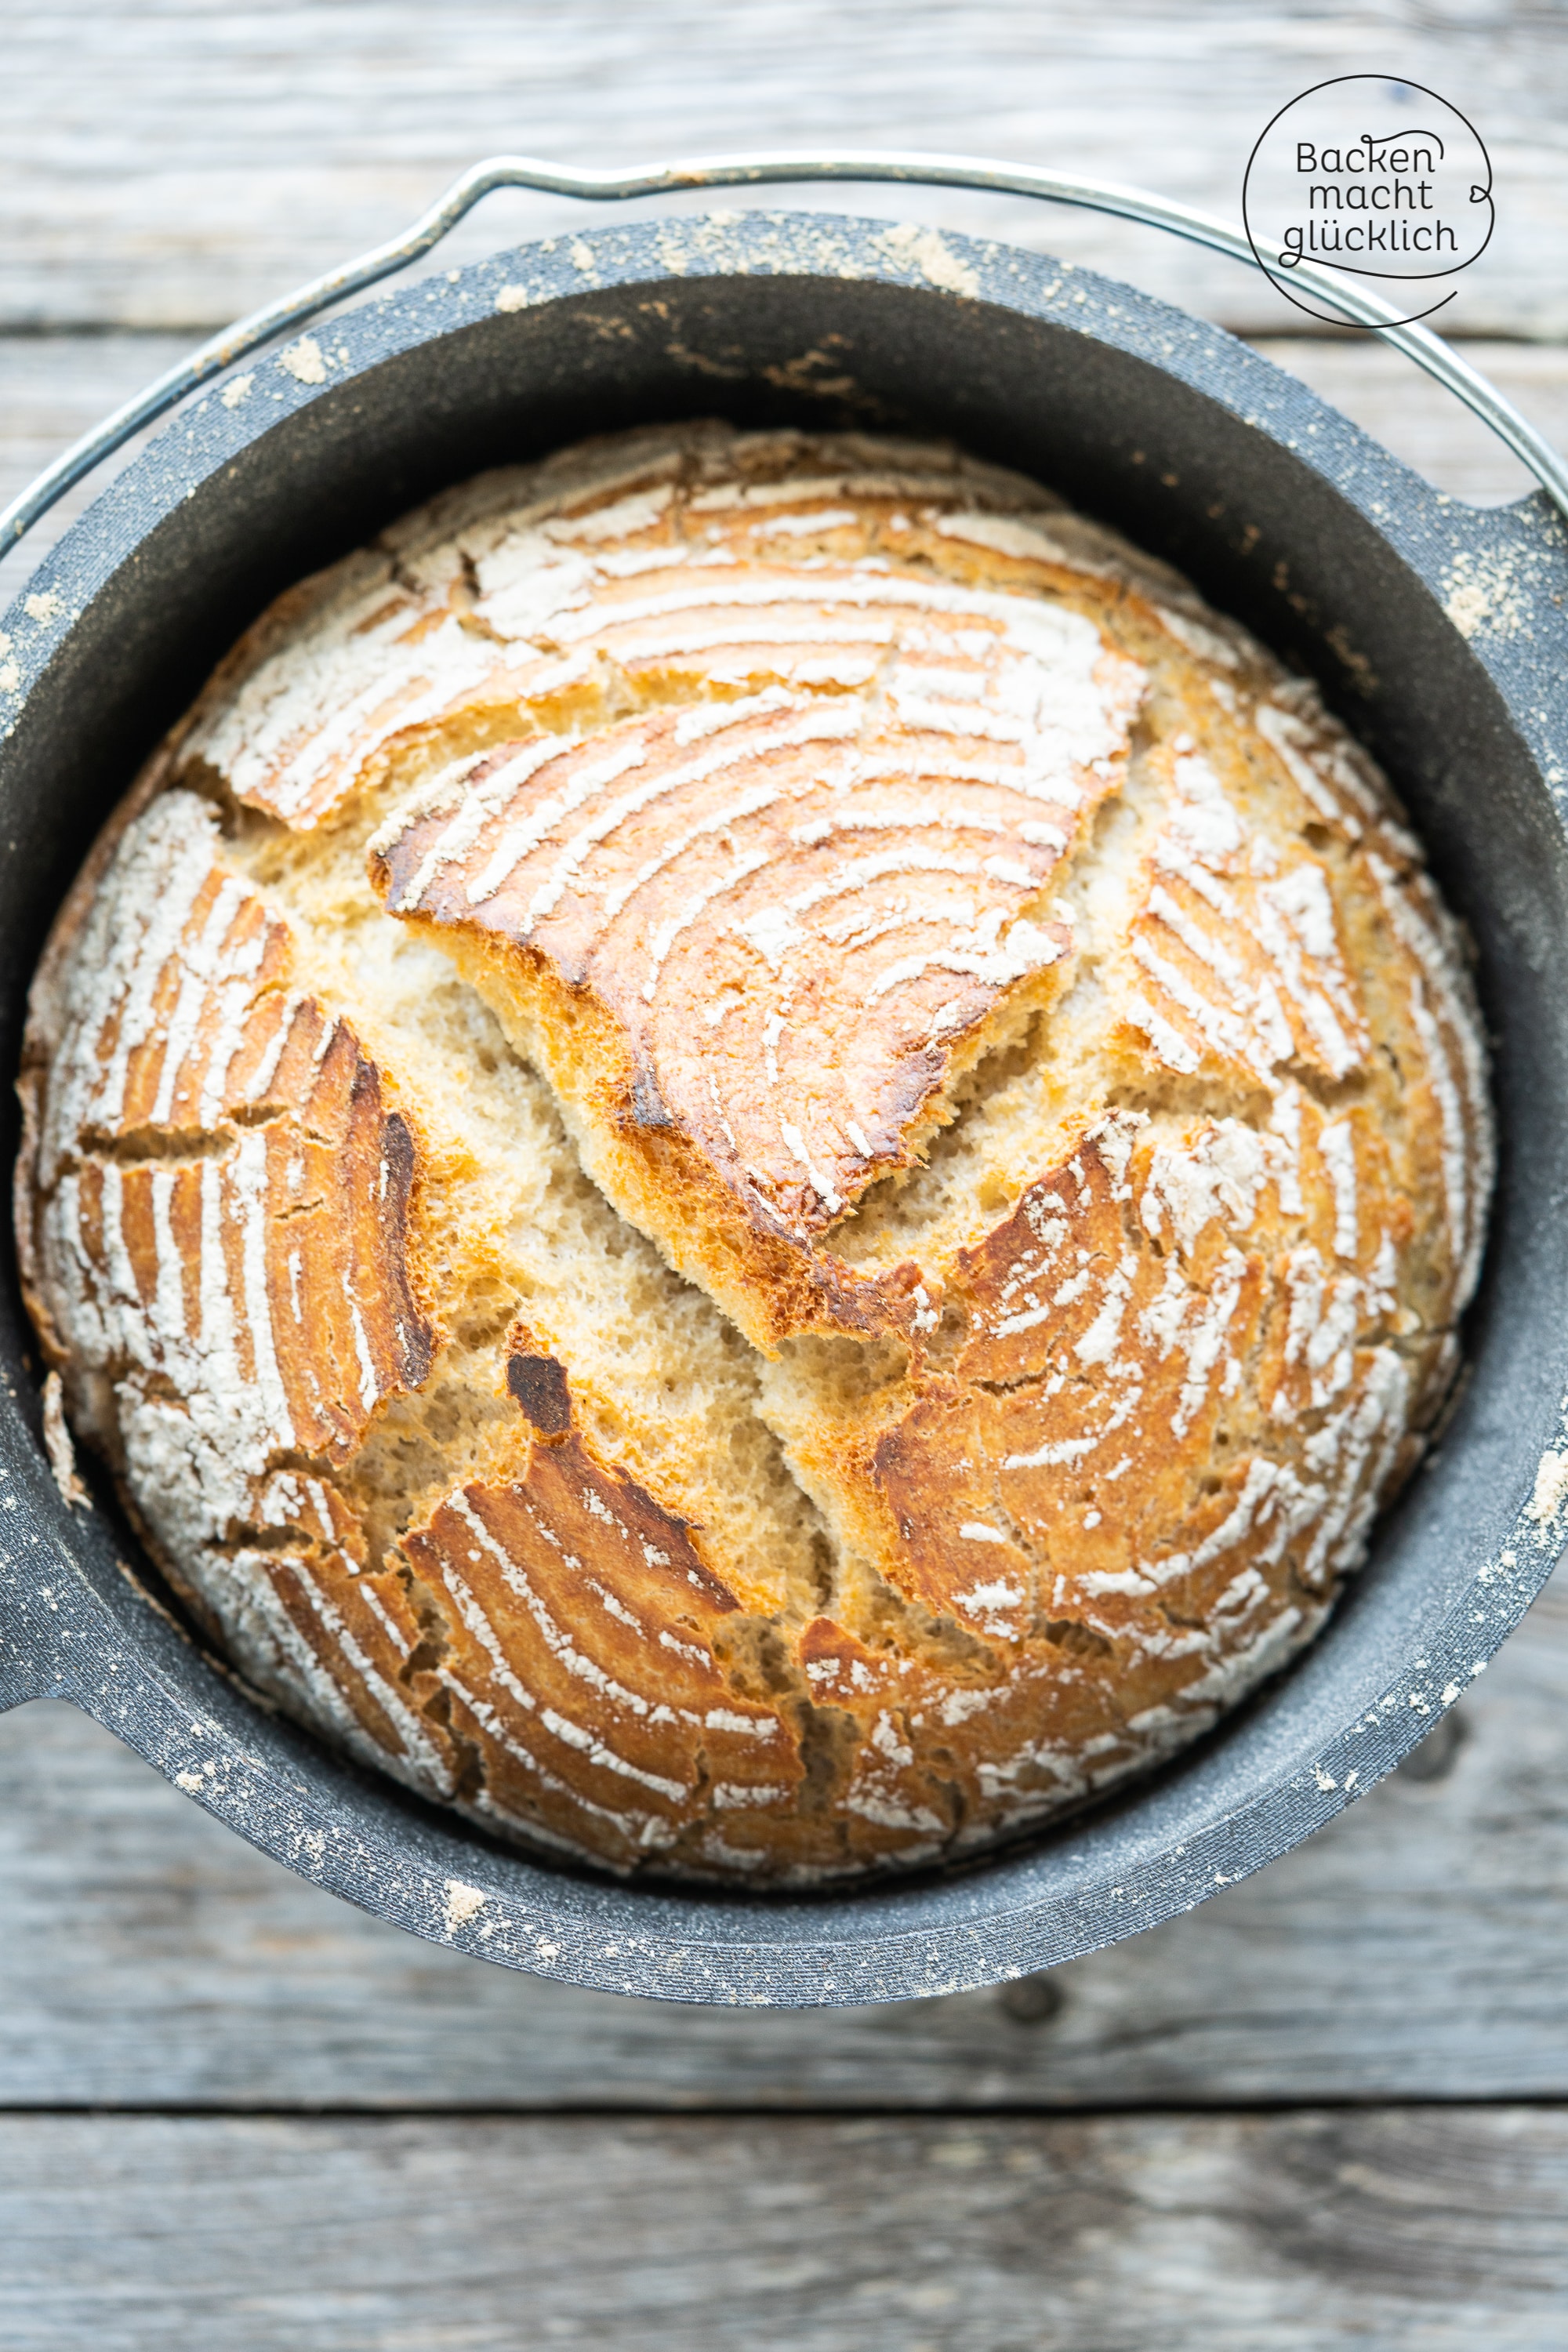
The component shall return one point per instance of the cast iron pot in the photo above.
(1439, 633)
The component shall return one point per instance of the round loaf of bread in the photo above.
(754, 1157)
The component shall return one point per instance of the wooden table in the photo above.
(1329, 2108)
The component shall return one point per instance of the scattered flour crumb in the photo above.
(304, 362)
(462, 1903)
(58, 1443)
(1485, 596)
(1551, 1485)
(927, 251)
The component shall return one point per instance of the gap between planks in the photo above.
(1412, 1951)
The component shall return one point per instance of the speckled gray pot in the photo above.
(1439, 632)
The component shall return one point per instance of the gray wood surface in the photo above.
(1414, 1949)
(1399, 2230)
(235, 2111)
(170, 161)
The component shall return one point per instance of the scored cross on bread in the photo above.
(753, 942)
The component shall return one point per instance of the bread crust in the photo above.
(957, 1232)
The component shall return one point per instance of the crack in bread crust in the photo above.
(754, 1158)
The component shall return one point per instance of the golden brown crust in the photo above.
(580, 1661)
(982, 973)
(753, 939)
(1086, 1315)
(217, 1203)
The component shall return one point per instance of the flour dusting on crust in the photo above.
(754, 1157)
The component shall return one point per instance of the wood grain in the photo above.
(53, 389)
(176, 161)
(1412, 1949)
(1407, 2230)
(169, 165)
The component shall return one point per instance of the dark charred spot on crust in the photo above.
(364, 1087)
(914, 1079)
(389, 868)
(881, 1304)
(540, 1385)
(415, 1333)
(467, 1760)
(893, 1460)
(397, 1150)
(648, 1108)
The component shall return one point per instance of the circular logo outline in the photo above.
(1276, 276)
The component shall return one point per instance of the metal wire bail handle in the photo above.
(264, 326)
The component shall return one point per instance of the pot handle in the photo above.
(1500, 574)
(264, 326)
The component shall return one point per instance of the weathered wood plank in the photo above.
(53, 388)
(1414, 1949)
(174, 163)
(1414, 2232)
(170, 164)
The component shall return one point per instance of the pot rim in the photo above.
(1143, 1856)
